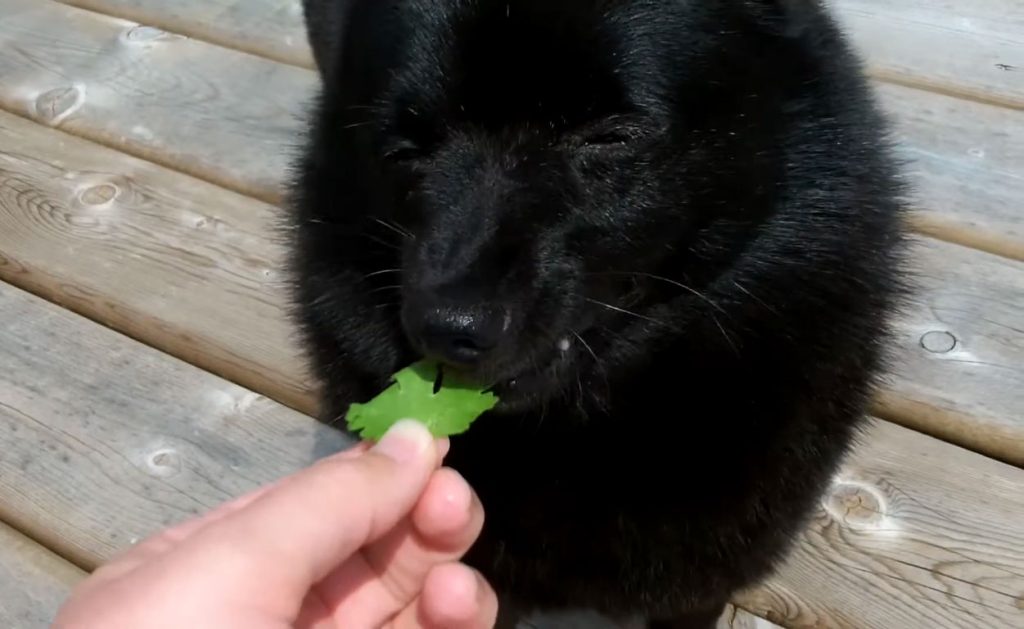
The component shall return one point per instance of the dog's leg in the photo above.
(705, 617)
(509, 615)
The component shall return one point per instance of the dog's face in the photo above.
(554, 180)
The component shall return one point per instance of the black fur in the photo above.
(698, 194)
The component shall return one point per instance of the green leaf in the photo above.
(449, 411)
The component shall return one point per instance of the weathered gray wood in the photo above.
(915, 533)
(222, 115)
(269, 28)
(974, 49)
(104, 440)
(959, 371)
(965, 161)
(736, 618)
(191, 268)
(33, 582)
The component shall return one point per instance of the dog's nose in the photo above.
(461, 338)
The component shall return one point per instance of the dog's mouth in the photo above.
(536, 381)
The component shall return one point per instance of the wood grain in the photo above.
(268, 28)
(959, 371)
(915, 533)
(222, 115)
(33, 582)
(234, 119)
(965, 161)
(736, 618)
(971, 49)
(188, 267)
(105, 440)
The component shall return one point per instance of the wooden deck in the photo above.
(147, 371)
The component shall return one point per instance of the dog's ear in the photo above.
(324, 29)
(786, 17)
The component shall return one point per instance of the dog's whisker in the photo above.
(589, 349)
(398, 230)
(381, 272)
(356, 125)
(728, 339)
(675, 283)
(755, 298)
(382, 242)
(627, 312)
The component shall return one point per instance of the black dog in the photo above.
(668, 232)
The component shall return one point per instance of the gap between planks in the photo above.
(34, 582)
(943, 89)
(267, 196)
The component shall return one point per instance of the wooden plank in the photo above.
(233, 119)
(33, 582)
(105, 440)
(736, 618)
(959, 371)
(269, 28)
(973, 49)
(219, 114)
(915, 533)
(191, 268)
(965, 161)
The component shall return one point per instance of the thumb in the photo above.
(301, 530)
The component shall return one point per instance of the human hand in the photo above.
(368, 538)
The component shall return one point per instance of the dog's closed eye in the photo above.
(610, 137)
(615, 132)
(403, 151)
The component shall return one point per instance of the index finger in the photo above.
(297, 533)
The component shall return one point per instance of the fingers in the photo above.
(453, 597)
(388, 574)
(299, 532)
(188, 528)
(166, 540)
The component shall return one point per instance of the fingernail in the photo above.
(406, 441)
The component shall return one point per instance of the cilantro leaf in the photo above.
(448, 411)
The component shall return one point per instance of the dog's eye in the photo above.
(610, 134)
(402, 151)
(608, 138)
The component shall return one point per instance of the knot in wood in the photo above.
(939, 342)
(164, 463)
(57, 104)
(100, 194)
(856, 505)
(140, 34)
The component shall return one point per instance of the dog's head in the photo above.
(557, 183)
